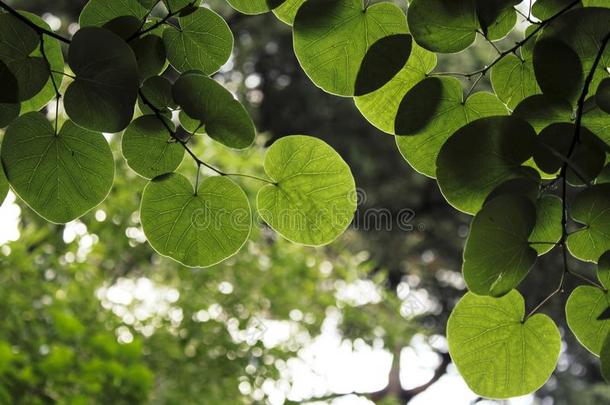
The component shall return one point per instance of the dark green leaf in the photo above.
(225, 119)
(103, 95)
(541, 111)
(99, 12)
(480, 156)
(602, 97)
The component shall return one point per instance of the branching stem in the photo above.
(29, 23)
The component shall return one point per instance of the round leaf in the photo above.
(313, 199)
(602, 98)
(103, 95)
(445, 26)
(205, 100)
(541, 111)
(548, 229)
(497, 255)
(513, 80)
(288, 10)
(499, 353)
(204, 42)
(196, 229)
(332, 38)
(431, 112)
(591, 207)
(148, 148)
(4, 186)
(60, 176)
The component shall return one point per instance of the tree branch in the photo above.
(29, 23)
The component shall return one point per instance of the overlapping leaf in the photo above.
(591, 208)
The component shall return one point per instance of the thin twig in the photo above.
(29, 23)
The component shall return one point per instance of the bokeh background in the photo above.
(90, 315)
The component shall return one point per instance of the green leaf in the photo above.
(574, 39)
(585, 305)
(431, 112)
(596, 120)
(103, 95)
(602, 97)
(254, 6)
(150, 54)
(225, 119)
(99, 12)
(288, 10)
(480, 156)
(196, 229)
(604, 176)
(313, 199)
(499, 352)
(445, 26)
(513, 80)
(17, 43)
(192, 126)
(8, 112)
(60, 176)
(541, 111)
(548, 229)
(501, 26)
(555, 142)
(497, 255)
(381, 106)
(591, 207)
(204, 42)
(149, 149)
(9, 106)
(158, 91)
(52, 49)
(332, 38)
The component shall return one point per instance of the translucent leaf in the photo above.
(596, 120)
(52, 49)
(60, 176)
(381, 106)
(499, 352)
(604, 176)
(332, 38)
(99, 12)
(431, 112)
(555, 142)
(254, 6)
(513, 80)
(497, 255)
(103, 95)
(574, 39)
(149, 149)
(602, 97)
(204, 42)
(445, 26)
(288, 10)
(544, 9)
(605, 359)
(191, 125)
(225, 119)
(313, 199)
(17, 43)
(591, 207)
(502, 25)
(197, 229)
(548, 229)
(585, 305)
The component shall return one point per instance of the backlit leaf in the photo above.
(99, 12)
(255, 6)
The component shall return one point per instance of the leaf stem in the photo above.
(188, 150)
(159, 23)
(29, 23)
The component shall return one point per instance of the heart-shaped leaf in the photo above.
(60, 176)
(198, 229)
(499, 352)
